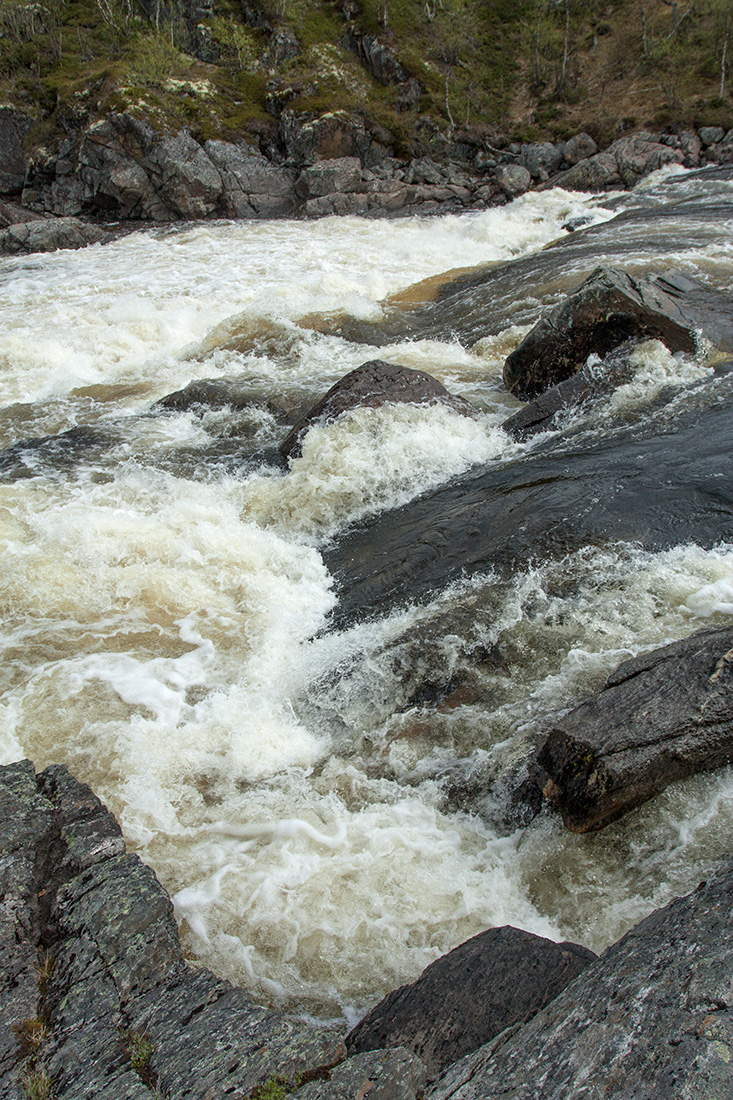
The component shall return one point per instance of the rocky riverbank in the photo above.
(119, 169)
(97, 1000)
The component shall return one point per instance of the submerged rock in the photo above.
(373, 384)
(652, 1018)
(661, 717)
(494, 980)
(607, 309)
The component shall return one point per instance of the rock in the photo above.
(541, 159)
(336, 203)
(494, 980)
(114, 972)
(328, 137)
(513, 179)
(578, 148)
(652, 1018)
(377, 57)
(12, 213)
(596, 173)
(655, 482)
(639, 154)
(609, 308)
(283, 46)
(381, 1075)
(711, 135)
(425, 170)
(661, 717)
(252, 185)
(592, 381)
(14, 125)
(327, 177)
(190, 184)
(48, 235)
(691, 147)
(373, 384)
(115, 171)
(722, 152)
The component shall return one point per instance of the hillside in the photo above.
(520, 69)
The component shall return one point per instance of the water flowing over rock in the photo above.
(662, 716)
(371, 385)
(658, 489)
(653, 1018)
(608, 309)
(493, 981)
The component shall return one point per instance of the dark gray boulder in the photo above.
(595, 173)
(513, 179)
(545, 413)
(578, 148)
(48, 235)
(494, 980)
(661, 717)
(641, 153)
(190, 184)
(373, 384)
(329, 176)
(652, 1019)
(541, 159)
(90, 956)
(609, 308)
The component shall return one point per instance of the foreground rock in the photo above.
(499, 978)
(659, 483)
(652, 1018)
(608, 309)
(373, 384)
(95, 997)
(662, 716)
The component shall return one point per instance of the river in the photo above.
(166, 602)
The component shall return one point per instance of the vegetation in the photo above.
(525, 68)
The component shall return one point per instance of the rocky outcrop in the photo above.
(48, 235)
(14, 125)
(373, 384)
(624, 163)
(656, 482)
(608, 309)
(497, 979)
(95, 996)
(652, 1018)
(662, 716)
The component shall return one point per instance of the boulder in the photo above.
(609, 308)
(578, 148)
(189, 184)
(652, 1018)
(494, 980)
(541, 159)
(513, 179)
(14, 125)
(381, 1075)
(661, 717)
(639, 154)
(592, 381)
(48, 235)
(722, 152)
(711, 135)
(118, 1011)
(596, 173)
(373, 384)
(11, 213)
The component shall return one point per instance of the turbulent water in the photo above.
(165, 600)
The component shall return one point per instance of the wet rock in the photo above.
(327, 177)
(14, 125)
(252, 185)
(494, 980)
(639, 154)
(113, 973)
(653, 1017)
(596, 173)
(513, 179)
(578, 148)
(11, 213)
(657, 482)
(336, 203)
(381, 1075)
(661, 717)
(592, 381)
(48, 235)
(608, 309)
(373, 384)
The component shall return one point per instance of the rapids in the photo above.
(166, 599)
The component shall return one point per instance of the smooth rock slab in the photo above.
(661, 717)
(652, 1019)
(461, 1001)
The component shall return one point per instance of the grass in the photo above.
(36, 1084)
